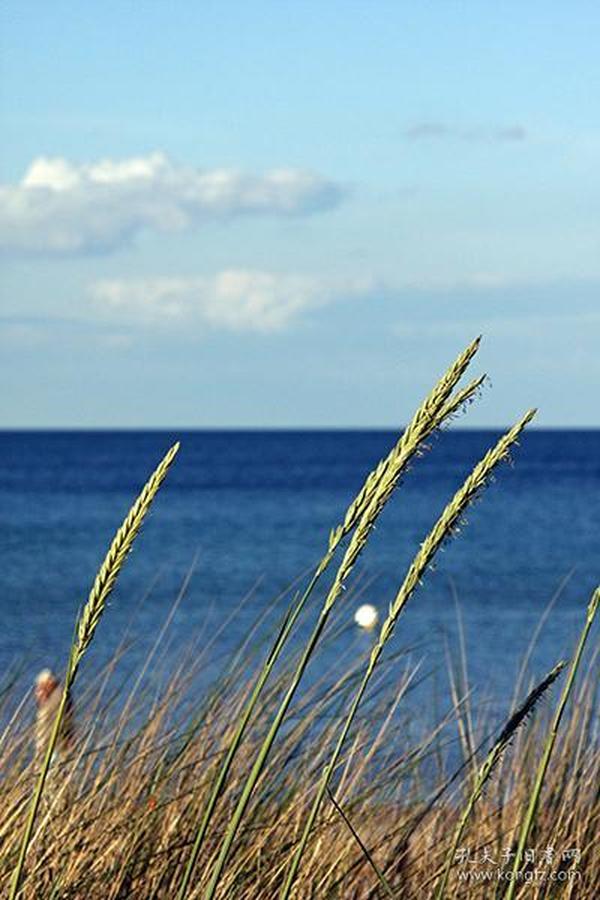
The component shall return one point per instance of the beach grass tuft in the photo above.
(176, 792)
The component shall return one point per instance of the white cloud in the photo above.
(231, 300)
(250, 300)
(63, 208)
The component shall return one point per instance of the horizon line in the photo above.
(162, 429)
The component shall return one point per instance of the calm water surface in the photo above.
(255, 508)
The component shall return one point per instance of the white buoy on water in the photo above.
(366, 616)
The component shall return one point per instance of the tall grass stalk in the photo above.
(490, 763)
(442, 529)
(359, 520)
(364, 849)
(85, 628)
(534, 799)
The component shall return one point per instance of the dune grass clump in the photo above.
(490, 763)
(353, 797)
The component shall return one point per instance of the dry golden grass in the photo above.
(257, 789)
(128, 822)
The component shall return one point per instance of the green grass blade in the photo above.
(86, 625)
(361, 516)
(489, 765)
(440, 531)
(530, 815)
(223, 773)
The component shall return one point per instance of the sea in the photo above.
(244, 516)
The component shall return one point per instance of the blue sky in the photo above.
(295, 214)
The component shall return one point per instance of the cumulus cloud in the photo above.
(423, 131)
(63, 208)
(231, 300)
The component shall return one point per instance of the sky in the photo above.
(296, 214)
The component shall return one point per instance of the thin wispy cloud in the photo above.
(431, 131)
(511, 133)
(251, 300)
(63, 208)
(238, 300)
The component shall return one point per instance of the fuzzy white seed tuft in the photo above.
(366, 616)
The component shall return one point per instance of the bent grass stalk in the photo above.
(490, 763)
(542, 769)
(364, 849)
(440, 531)
(353, 514)
(360, 519)
(85, 627)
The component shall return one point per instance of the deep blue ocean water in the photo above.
(255, 509)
